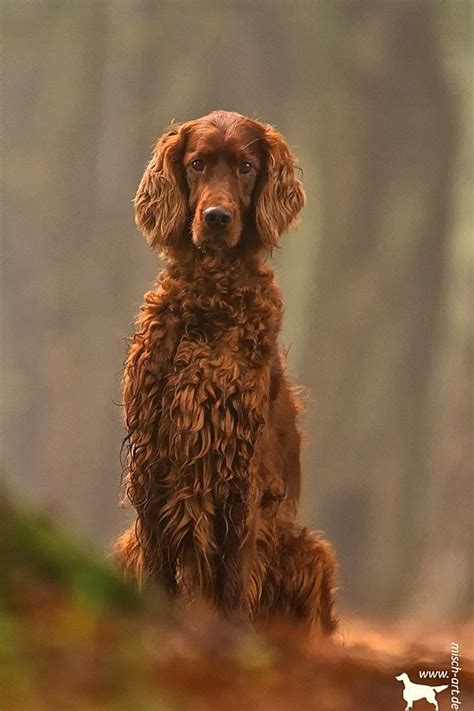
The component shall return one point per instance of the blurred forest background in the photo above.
(375, 98)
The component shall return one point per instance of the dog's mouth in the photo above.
(213, 247)
(205, 248)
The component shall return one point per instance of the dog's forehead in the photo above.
(236, 136)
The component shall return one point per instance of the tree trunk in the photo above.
(386, 162)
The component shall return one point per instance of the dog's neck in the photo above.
(214, 264)
(214, 293)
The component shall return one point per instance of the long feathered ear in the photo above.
(160, 203)
(281, 194)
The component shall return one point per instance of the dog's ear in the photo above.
(160, 203)
(281, 196)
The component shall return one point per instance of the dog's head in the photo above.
(217, 182)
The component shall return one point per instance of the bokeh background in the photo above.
(375, 98)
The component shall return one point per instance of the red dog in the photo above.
(214, 460)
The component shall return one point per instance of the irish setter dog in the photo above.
(213, 441)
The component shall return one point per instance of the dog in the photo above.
(213, 441)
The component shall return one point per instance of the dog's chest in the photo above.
(242, 319)
(223, 325)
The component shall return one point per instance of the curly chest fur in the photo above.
(214, 316)
(197, 379)
(197, 391)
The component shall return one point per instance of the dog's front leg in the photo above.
(238, 492)
(141, 549)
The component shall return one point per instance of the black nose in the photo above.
(217, 217)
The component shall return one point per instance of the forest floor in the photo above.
(74, 636)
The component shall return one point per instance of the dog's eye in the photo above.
(245, 167)
(197, 165)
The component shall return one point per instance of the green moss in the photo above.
(33, 548)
